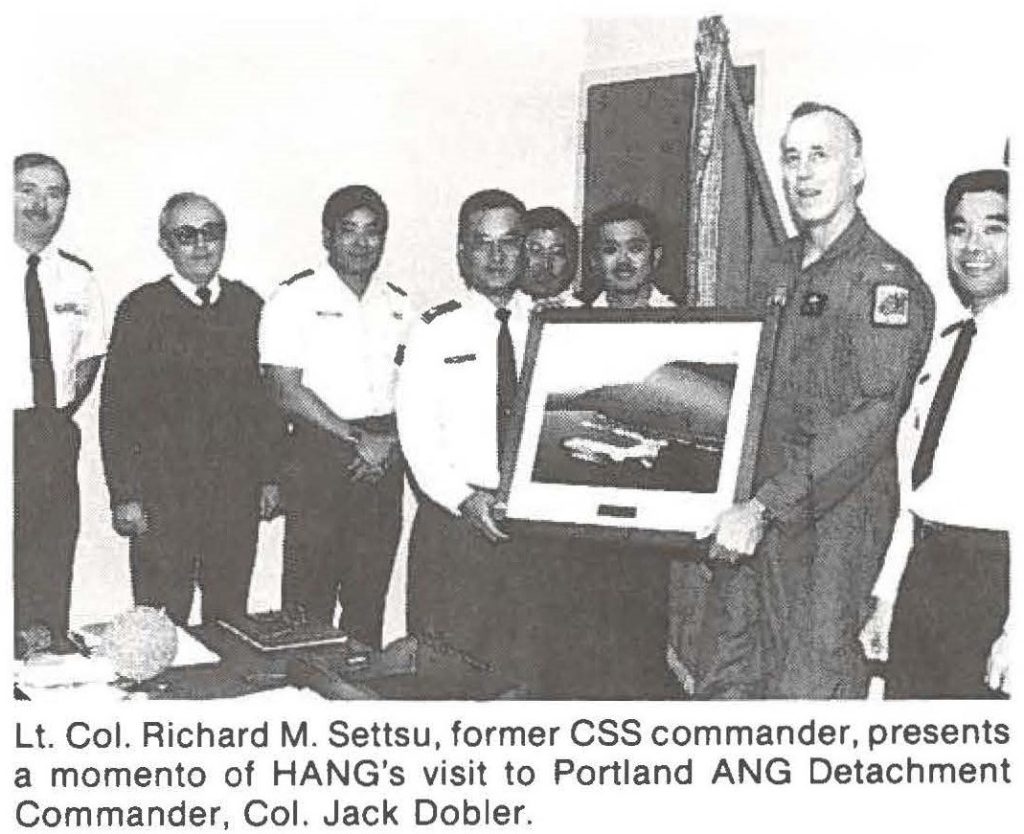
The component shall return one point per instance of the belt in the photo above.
(926, 527)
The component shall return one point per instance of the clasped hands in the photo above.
(374, 453)
(737, 531)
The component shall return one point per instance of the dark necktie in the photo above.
(506, 388)
(940, 404)
(204, 294)
(44, 393)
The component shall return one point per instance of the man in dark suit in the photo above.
(185, 427)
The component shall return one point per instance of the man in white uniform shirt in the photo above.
(331, 340)
(54, 359)
(941, 612)
(455, 397)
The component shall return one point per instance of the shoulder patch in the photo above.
(298, 276)
(74, 259)
(439, 310)
(890, 305)
(396, 289)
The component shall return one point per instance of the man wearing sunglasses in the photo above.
(186, 430)
(53, 362)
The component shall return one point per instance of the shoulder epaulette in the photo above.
(74, 259)
(298, 276)
(396, 289)
(439, 310)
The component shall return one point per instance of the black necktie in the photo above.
(940, 404)
(44, 393)
(204, 294)
(506, 388)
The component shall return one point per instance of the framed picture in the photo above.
(637, 422)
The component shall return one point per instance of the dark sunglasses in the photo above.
(189, 235)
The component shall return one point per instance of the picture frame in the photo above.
(637, 424)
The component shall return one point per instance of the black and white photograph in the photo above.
(658, 357)
(635, 417)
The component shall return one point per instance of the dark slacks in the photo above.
(211, 541)
(340, 535)
(568, 618)
(950, 609)
(46, 517)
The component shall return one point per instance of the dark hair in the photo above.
(490, 198)
(618, 213)
(972, 182)
(348, 199)
(549, 217)
(25, 161)
(808, 108)
(178, 199)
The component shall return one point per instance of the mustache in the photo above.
(36, 214)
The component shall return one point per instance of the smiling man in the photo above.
(331, 340)
(949, 614)
(53, 361)
(186, 430)
(852, 337)
(624, 247)
(550, 254)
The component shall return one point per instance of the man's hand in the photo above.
(874, 637)
(129, 519)
(270, 501)
(738, 531)
(374, 452)
(997, 670)
(479, 511)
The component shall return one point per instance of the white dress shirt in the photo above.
(74, 316)
(447, 396)
(656, 299)
(347, 347)
(189, 290)
(967, 486)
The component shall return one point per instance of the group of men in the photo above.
(217, 409)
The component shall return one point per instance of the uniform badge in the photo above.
(890, 305)
(813, 303)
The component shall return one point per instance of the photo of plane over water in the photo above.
(665, 432)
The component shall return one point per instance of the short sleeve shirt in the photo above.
(348, 348)
(74, 316)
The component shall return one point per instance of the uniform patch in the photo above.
(399, 354)
(462, 357)
(813, 303)
(890, 305)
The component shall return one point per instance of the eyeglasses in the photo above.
(213, 232)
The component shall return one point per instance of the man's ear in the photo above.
(165, 246)
(656, 256)
(325, 237)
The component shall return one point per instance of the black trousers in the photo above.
(567, 618)
(46, 517)
(199, 535)
(340, 535)
(951, 607)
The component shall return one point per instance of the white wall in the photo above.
(267, 116)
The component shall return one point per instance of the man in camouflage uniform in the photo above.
(852, 337)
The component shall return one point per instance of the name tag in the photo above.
(337, 314)
(460, 358)
(70, 308)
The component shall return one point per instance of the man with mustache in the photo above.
(784, 621)
(550, 255)
(186, 429)
(331, 340)
(624, 246)
(56, 356)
